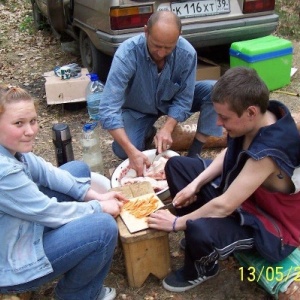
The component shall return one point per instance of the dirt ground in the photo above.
(24, 57)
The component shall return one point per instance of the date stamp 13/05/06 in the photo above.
(270, 274)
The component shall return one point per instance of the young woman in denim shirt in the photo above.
(53, 224)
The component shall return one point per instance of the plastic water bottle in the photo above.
(93, 96)
(91, 153)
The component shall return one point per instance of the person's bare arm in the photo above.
(252, 176)
(187, 195)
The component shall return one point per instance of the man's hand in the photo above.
(163, 138)
(137, 160)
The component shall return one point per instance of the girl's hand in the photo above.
(111, 202)
(113, 195)
(93, 195)
(112, 207)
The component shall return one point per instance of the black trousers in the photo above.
(207, 239)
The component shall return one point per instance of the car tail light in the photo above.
(130, 17)
(252, 6)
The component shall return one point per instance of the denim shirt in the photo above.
(24, 211)
(134, 83)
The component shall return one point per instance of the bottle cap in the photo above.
(93, 76)
(89, 126)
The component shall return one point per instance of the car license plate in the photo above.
(200, 8)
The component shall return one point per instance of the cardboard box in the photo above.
(207, 69)
(65, 91)
(270, 56)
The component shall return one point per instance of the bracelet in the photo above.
(174, 224)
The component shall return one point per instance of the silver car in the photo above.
(100, 26)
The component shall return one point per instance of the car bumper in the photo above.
(226, 32)
(203, 35)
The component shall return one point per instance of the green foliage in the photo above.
(289, 18)
(27, 24)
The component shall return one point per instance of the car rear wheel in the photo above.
(39, 21)
(93, 59)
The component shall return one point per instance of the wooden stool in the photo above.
(21, 296)
(145, 252)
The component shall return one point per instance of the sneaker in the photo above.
(175, 282)
(109, 293)
(150, 137)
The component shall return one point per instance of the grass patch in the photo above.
(27, 24)
(289, 19)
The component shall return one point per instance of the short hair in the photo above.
(241, 87)
(166, 16)
(12, 94)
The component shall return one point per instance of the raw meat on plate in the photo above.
(157, 185)
(155, 174)
(157, 169)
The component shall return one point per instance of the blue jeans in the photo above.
(138, 128)
(80, 251)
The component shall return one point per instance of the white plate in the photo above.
(163, 194)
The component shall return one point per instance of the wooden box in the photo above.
(146, 252)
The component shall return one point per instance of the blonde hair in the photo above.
(11, 94)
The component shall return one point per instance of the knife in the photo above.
(156, 154)
(170, 206)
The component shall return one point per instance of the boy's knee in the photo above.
(173, 162)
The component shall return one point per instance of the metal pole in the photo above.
(287, 93)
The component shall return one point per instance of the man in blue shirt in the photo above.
(153, 74)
